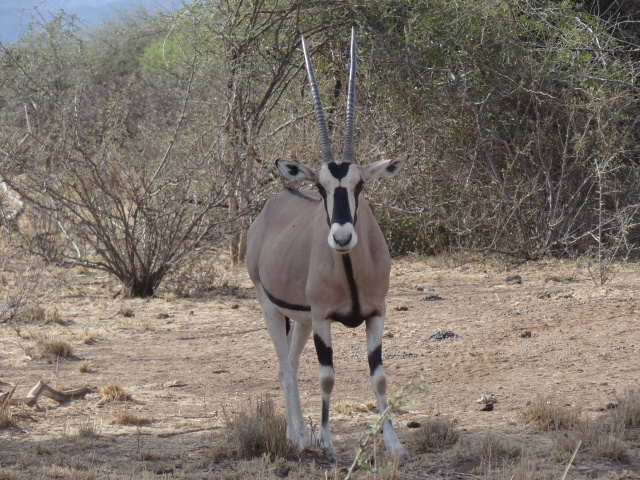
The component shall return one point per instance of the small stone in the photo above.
(513, 280)
(414, 424)
(401, 309)
(432, 298)
(524, 334)
(443, 334)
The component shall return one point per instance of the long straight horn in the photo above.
(323, 131)
(351, 105)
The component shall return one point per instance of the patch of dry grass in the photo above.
(114, 392)
(546, 415)
(124, 416)
(48, 345)
(346, 408)
(257, 430)
(6, 418)
(54, 317)
(436, 434)
(626, 411)
(85, 366)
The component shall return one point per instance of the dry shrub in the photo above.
(47, 345)
(626, 411)
(8, 475)
(84, 366)
(33, 314)
(491, 446)
(6, 419)
(527, 469)
(114, 392)
(547, 415)
(258, 430)
(124, 416)
(54, 317)
(436, 434)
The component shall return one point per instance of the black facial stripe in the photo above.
(282, 304)
(325, 354)
(323, 192)
(375, 359)
(341, 211)
(339, 171)
(357, 192)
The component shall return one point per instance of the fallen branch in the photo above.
(41, 388)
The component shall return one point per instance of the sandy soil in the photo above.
(185, 360)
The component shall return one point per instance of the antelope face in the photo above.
(340, 185)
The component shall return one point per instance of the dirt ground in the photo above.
(186, 360)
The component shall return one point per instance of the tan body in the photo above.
(324, 288)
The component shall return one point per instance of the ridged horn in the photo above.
(348, 153)
(323, 131)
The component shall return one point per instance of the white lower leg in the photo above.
(379, 382)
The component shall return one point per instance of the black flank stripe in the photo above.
(353, 288)
(297, 193)
(375, 359)
(325, 354)
(282, 304)
(287, 324)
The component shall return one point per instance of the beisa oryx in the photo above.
(317, 257)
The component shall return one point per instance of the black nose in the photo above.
(343, 242)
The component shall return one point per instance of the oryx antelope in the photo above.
(320, 257)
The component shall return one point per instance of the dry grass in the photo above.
(546, 415)
(124, 416)
(347, 408)
(436, 434)
(114, 392)
(54, 317)
(6, 418)
(491, 446)
(85, 366)
(257, 430)
(33, 314)
(626, 411)
(6, 475)
(47, 345)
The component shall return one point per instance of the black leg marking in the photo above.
(375, 359)
(325, 412)
(325, 354)
(287, 323)
(283, 304)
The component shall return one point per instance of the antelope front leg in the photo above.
(322, 341)
(375, 328)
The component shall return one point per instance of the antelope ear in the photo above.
(296, 171)
(381, 169)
